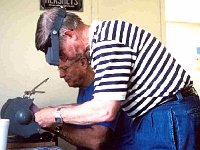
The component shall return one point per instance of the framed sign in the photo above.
(74, 5)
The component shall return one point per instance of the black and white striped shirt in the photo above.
(131, 64)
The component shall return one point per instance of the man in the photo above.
(132, 69)
(113, 135)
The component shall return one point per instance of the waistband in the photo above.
(183, 93)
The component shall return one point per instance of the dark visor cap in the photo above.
(51, 46)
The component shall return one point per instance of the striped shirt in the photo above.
(132, 65)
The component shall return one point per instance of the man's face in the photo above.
(72, 72)
(71, 50)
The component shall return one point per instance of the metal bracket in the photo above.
(33, 91)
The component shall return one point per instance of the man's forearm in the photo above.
(90, 112)
(94, 137)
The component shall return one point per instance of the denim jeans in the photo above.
(174, 125)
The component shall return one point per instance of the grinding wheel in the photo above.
(22, 123)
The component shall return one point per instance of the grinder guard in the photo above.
(22, 123)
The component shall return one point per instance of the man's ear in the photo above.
(84, 62)
(69, 33)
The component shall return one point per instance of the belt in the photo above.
(185, 92)
(188, 91)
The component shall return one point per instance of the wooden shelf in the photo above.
(11, 146)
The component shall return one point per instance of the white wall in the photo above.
(183, 10)
(182, 40)
(183, 34)
(148, 14)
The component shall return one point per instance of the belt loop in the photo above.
(179, 96)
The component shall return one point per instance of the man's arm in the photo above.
(87, 113)
(94, 137)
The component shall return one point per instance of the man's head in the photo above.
(77, 73)
(72, 33)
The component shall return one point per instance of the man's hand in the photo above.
(45, 117)
(34, 108)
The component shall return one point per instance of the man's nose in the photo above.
(62, 73)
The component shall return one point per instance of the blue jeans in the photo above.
(174, 125)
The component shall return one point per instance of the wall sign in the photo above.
(75, 5)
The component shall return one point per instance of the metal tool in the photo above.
(33, 91)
